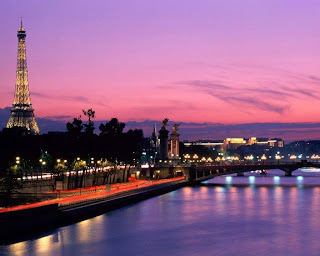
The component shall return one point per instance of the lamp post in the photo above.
(293, 158)
(187, 157)
(40, 167)
(195, 157)
(248, 158)
(95, 174)
(43, 164)
(263, 158)
(17, 160)
(234, 158)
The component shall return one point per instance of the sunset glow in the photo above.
(219, 61)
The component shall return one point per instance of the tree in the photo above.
(77, 166)
(137, 134)
(75, 127)
(89, 127)
(113, 127)
(11, 180)
(60, 170)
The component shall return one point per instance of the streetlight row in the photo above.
(278, 157)
(42, 162)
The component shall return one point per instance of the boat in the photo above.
(262, 172)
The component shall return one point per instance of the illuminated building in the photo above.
(155, 139)
(22, 115)
(150, 148)
(215, 145)
(234, 143)
(276, 142)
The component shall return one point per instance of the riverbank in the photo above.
(24, 222)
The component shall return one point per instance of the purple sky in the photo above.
(222, 61)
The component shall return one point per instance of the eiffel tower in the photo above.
(22, 115)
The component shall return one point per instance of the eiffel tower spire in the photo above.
(22, 112)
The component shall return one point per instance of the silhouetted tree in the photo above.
(89, 127)
(10, 180)
(80, 166)
(75, 127)
(137, 134)
(113, 127)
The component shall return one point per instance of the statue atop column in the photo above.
(174, 142)
(164, 123)
(175, 127)
(163, 135)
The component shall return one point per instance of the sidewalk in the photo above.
(115, 188)
(96, 189)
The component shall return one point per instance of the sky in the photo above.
(219, 62)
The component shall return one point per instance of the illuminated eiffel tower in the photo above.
(22, 112)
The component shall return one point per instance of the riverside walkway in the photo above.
(91, 194)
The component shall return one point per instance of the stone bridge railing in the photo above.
(200, 173)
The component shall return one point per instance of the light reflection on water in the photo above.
(274, 177)
(204, 220)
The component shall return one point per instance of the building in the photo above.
(214, 144)
(155, 139)
(276, 142)
(22, 115)
(234, 143)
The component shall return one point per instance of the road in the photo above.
(90, 193)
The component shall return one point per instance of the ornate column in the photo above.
(174, 142)
(163, 135)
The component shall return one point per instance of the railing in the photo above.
(122, 194)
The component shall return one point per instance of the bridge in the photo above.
(200, 172)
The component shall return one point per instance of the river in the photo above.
(251, 215)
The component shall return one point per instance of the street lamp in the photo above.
(249, 158)
(43, 163)
(234, 158)
(95, 174)
(293, 158)
(195, 156)
(315, 157)
(187, 156)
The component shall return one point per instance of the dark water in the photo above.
(205, 220)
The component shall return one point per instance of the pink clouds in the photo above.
(216, 61)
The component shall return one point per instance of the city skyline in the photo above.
(210, 63)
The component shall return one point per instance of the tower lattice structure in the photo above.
(22, 114)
